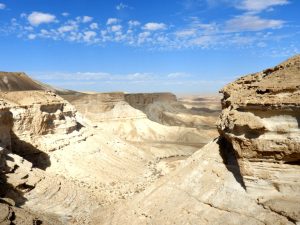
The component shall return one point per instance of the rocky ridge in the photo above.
(112, 112)
(261, 120)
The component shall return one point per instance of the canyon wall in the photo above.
(141, 100)
(103, 107)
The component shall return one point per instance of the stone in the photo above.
(261, 120)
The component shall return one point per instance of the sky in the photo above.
(179, 46)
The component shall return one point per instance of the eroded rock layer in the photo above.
(261, 119)
(33, 124)
(56, 165)
(141, 100)
(202, 191)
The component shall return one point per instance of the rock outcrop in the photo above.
(33, 124)
(141, 100)
(48, 115)
(111, 112)
(261, 120)
(203, 190)
(103, 107)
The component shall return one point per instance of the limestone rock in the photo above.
(261, 119)
(203, 190)
(141, 100)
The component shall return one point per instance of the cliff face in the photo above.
(261, 119)
(141, 100)
(104, 106)
(32, 124)
(36, 115)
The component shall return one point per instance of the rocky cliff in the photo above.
(32, 124)
(261, 120)
(102, 107)
(141, 100)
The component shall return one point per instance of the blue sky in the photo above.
(182, 46)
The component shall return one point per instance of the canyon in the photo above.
(69, 157)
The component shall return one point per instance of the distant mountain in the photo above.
(19, 81)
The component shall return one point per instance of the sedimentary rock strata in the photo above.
(110, 112)
(141, 100)
(203, 190)
(261, 119)
(55, 164)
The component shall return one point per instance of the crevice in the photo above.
(261, 92)
(38, 158)
(12, 217)
(230, 160)
(25, 188)
(37, 222)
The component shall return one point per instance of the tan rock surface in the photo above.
(203, 190)
(17, 82)
(111, 112)
(261, 119)
(56, 164)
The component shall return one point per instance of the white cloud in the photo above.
(37, 18)
(154, 26)
(133, 23)
(260, 5)
(185, 33)
(204, 41)
(23, 15)
(251, 23)
(94, 26)
(239, 31)
(29, 28)
(108, 82)
(121, 6)
(45, 32)
(89, 35)
(112, 21)
(116, 28)
(87, 19)
(2, 6)
(138, 76)
(67, 28)
(142, 37)
(65, 14)
(177, 75)
(31, 36)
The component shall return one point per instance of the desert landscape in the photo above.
(121, 112)
(113, 158)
